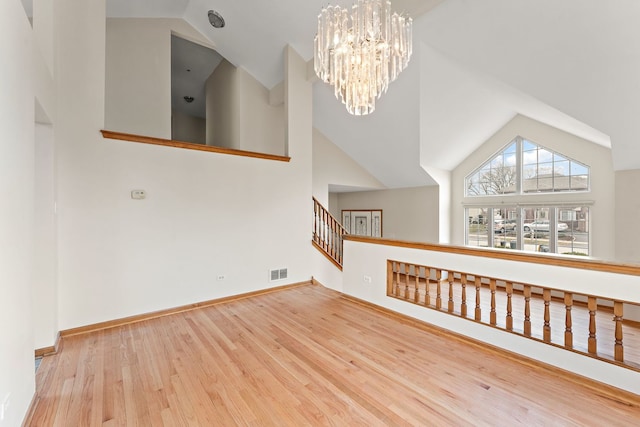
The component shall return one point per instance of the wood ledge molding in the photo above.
(555, 260)
(108, 134)
(181, 309)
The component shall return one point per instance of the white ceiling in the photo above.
(574, 64)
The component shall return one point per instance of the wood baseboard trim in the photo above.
(48, 351)
(160, 313)
(611, 392)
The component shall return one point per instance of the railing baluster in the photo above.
(324, 230)
(438, 289)
(315, 220)
(463, 305)
(450, 304)
(427, 282)
(406, 281)
(397, 291)
(527, 310)
(416, 294)
(492, 314)
(391, 265)
(478, 312)
(618, 353)
(509, 319)
(592, 306)
(568, 324)
(546, 329)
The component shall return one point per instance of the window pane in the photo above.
(578, 169)
(573, 231)
(530, 171)
(580, 182)
(496, 162)
(561, 168)
(536, 229)
(545, 184)
(544, 155)
(559, 158)
(545, 169)
(530, 157)
(505, 227)
(477, 232)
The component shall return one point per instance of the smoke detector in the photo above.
(216, 20)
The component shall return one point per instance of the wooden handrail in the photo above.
(557, 260)
(190, 145)
(327, 233)
(548, 315)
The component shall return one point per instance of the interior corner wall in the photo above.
(333, 207)
(17, 167)
(627, 211)
(239, 115)
(331, 165)
(45, 293)
(188, 128)
(261, 124)
(597, 157)
(407, 213)
(138, 73)
(223, 107)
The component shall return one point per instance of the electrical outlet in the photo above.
(220, 277)
(366, 279)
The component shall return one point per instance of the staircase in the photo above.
(327, 234)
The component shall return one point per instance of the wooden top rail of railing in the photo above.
(574, 321)
(327, 233)
(190, 145)
(333, 218)
(530, 257)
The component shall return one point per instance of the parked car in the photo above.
(543, 225)
(504, 225)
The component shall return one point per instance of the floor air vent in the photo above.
(278, 274)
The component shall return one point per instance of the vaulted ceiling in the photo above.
(573, 64)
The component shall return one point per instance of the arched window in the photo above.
(511, 221)
(525, 167)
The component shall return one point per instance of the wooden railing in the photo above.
(587, 324)
(327, 233)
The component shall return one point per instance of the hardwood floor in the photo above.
(304, 356)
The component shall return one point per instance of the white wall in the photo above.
(331, 165)
(17, 153)
(261, 124)
(367, 259)
(596, 156)
(45, 262)
(138, 73)
(407, 213)
(223, 107)
(627, 211)
(188, 128)
(239, 114)
(205, 214)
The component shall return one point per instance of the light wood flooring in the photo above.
(305, 356)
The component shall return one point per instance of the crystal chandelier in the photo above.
(361, 52)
